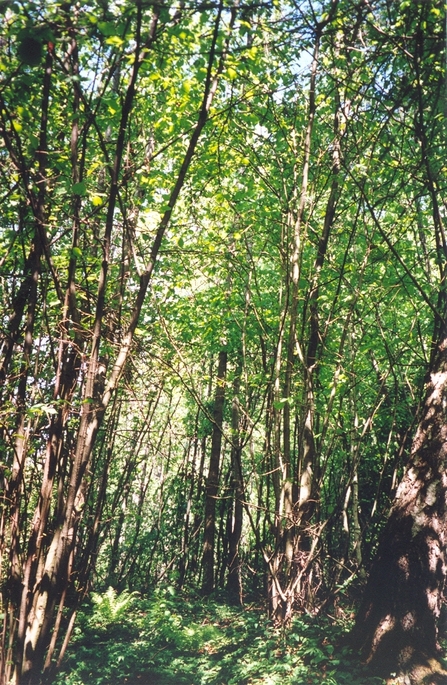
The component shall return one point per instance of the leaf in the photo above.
(30, 50)
(116, 41)
(186, 87)
(107, 28)
(41, 408)
(280, 404)
(76, 252)
(79, 188)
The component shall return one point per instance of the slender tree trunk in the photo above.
(234, 581)
(48, 560)
(296, 505)
(212, 483)
(183, 561)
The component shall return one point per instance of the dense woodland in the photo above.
(223, 332)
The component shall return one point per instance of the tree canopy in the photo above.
(222, 270)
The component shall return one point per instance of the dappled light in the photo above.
(223, 342)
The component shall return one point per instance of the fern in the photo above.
(110, 608)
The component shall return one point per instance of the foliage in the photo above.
(110, 609)
(171, 638)
(178, 181)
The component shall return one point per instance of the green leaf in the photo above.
(76, 252)
(30, 49)
(79, 188)
(108, 28)
(280, 404)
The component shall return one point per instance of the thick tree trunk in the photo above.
(396, 628)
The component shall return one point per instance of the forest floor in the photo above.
(174, 640)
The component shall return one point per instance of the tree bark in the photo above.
(212, 483)
(234, 580)
(396, 627)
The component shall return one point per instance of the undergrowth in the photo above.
(175, 640)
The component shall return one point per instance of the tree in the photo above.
(397, 624)
(212, 481)
(75, 240)
(256, 188)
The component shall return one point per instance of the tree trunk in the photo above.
(212, 483)
(234, 580)
(396, 627)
